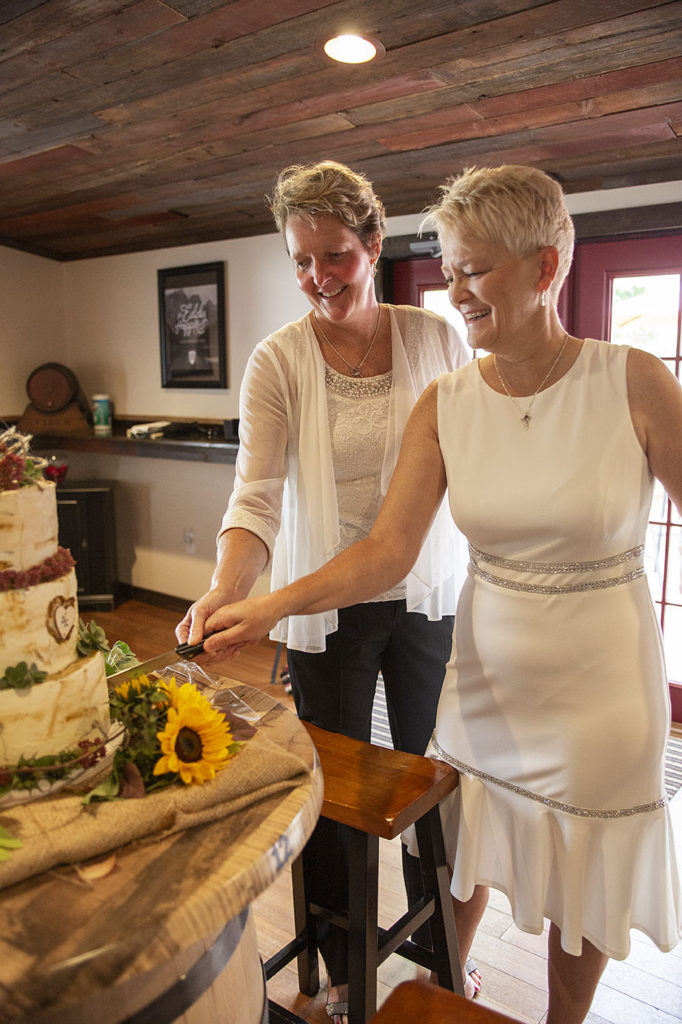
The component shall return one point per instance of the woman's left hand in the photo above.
(239, 625)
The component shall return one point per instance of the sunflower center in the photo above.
(188, 745)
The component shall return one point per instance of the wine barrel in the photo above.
(51, 387)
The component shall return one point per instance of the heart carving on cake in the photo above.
(61, 618)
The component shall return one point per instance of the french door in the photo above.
(630, 292)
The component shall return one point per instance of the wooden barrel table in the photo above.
(168, 935)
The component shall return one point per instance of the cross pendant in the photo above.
(526, 420)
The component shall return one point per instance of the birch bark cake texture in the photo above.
(54, 703)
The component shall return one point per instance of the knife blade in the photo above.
(144, 667)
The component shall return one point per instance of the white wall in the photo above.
(112, 322)
(100, 318)
(31, 322)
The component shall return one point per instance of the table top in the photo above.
(60, 936)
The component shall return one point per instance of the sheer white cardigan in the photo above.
(284, 489)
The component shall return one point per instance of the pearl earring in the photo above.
(543, 299)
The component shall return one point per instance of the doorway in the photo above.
(630, 293)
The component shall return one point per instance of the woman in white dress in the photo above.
(555, 707)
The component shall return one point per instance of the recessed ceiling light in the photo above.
(353, 49)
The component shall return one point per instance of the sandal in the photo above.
(473, 972)
(338, 1010)
(337, 1007)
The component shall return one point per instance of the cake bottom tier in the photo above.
(54, 715)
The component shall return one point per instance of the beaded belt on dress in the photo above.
(555, 805)
(616, 568)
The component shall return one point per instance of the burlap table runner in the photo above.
(62, 830)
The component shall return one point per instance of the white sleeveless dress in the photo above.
(555, 704)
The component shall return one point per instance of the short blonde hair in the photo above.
(327, 187)
(520, 208)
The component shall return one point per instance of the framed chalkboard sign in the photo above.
(192, 324)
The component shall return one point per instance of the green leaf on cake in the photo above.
(21, 676)
(33, 471)
(91, 638)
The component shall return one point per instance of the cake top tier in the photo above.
(18, 468)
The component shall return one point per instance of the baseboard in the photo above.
(128, 592)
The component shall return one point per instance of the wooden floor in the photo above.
(644, 989)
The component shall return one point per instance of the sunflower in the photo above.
(132, 686)
(171, 689)
(129, 691)
(196, 742)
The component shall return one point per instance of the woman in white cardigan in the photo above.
(323, 406)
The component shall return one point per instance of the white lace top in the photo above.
(357, 410)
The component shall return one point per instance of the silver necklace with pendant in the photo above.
(355, 370)
(525, 415)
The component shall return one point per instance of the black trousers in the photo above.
(335, 690)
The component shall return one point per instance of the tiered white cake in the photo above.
(39, 626)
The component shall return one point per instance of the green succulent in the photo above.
(21, 676)
(91, 638)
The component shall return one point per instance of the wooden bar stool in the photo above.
(430, 1004)
(377, 793)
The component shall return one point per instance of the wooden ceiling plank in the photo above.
(204, 40)
(641, 76)
(545, 61)
(53, 19)
(125, 78)
(119, 28)
(564, 115)
(224, 117)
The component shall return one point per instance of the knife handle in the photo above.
(190, 650)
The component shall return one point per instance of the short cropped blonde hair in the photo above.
(327, 187)
(520, 208)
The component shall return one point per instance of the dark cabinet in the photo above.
(86, 526)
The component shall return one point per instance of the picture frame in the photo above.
(192, 326)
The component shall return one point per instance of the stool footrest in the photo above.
(335, 917)
(416, 953)
(392, 939)
(284, 956)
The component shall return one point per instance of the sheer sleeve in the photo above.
(261, 467)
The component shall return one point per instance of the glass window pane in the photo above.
(654, 556)
(673, 587)
(675, 513)
(659, 503)
(436, 300)
(672, 643)
(644, 312)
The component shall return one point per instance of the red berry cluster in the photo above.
(12, 468)
(93, 751)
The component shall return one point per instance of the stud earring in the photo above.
(543, 299)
